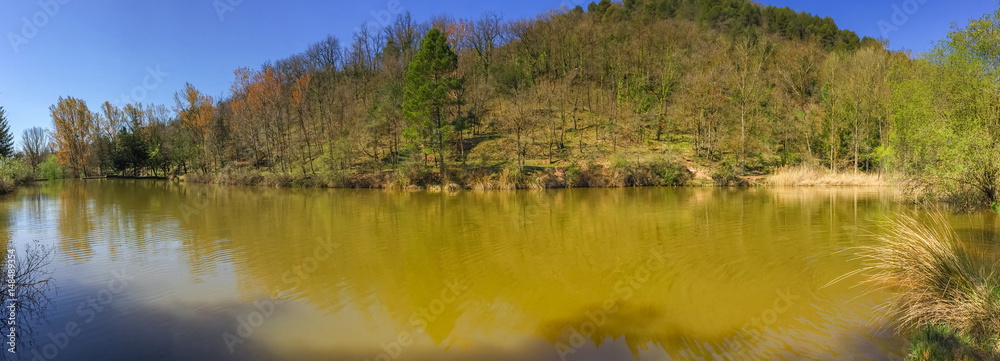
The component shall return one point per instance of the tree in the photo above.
(750, 57)
(34, 144)
(74, 124)
(6, 137)
(194, 109)
(428, 89)
(955, 147)
(324, 55)
(131, 152)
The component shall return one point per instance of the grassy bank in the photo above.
(946, 293)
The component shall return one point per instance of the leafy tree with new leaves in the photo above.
(6, 137)
(429, 90)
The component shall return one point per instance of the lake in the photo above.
(156, 270)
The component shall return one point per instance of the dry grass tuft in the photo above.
(938, 282)
(814, 177)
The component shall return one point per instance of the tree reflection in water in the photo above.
(30, 299)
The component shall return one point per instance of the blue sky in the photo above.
(146, 50)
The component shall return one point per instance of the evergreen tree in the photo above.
(6, 136)
(428, 91)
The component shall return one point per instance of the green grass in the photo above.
(942, 343)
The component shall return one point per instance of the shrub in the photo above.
(665, 173)
(727, 176)
(16, 170)
(51, 169)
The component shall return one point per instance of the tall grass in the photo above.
(805, 176)
(945, 293)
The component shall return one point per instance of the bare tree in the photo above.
(486, 34)
(363, 55)
(34, 144)
(404, 34)
(325, 54)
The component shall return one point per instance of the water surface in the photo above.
(164, 271)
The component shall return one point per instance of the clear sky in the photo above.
(146, 50)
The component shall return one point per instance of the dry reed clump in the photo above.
(946, 293)
(506, 179)
(813, 177)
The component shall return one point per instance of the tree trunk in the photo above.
(743, 139)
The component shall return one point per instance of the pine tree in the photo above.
(6, 136)
(428, 91)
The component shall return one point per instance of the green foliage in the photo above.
(945, 111)
(727, 175)
(131, 153)
(13, 172)
(337, 156)
(659, 172)
(51, 169)
(428, 93)
(16, 169)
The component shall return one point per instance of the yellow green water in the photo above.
(584, 274)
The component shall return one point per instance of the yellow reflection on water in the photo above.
(651, 273)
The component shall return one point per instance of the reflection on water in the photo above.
(209, 273)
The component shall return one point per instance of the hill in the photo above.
(637, 93)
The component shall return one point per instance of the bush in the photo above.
(16, 169)
(727, 176)
(664, 173)
(659, 172)
(51, 169)
(589, 175)
(13, 172)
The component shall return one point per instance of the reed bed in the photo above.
(814, 177)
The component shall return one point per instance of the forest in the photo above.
(615, 94)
